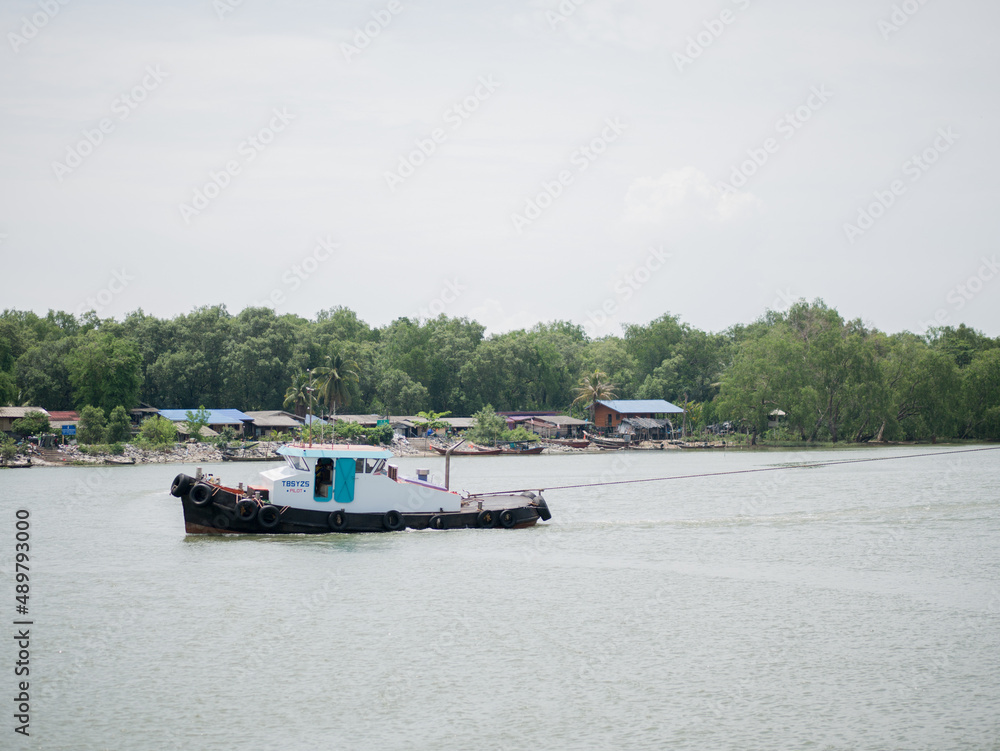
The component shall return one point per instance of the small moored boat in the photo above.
(469, 452)
(521, 447)
(343, 488)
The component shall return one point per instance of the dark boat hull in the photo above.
(458, 452)
(220, 516)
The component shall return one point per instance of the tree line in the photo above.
(834, 379)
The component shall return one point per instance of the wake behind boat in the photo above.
(343, 488)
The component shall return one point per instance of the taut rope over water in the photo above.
(741, 471)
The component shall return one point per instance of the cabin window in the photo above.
(375, 465)
(359, 466)
(297, 463)
(323, 484)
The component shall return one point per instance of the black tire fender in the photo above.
(507, 518)
(181, 485)
(268, 515)
(201, 494)
(393, 520)
(337, 520)
(543, 509)
(486, 519)
(436, 522)
(246, 509)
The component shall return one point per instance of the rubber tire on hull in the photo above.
(507, 518)
(181, 485)
(337, 520)
(246, 510)
(543, 509)
(436, 522)
(486, 519)
(268, 516)
(393, 521)
(201, 494)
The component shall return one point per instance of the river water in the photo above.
(842, 607)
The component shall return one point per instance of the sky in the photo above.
(597, 161)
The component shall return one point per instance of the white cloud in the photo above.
(684, 192)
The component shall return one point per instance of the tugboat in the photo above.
(343, 488)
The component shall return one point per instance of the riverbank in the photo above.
(266, 451)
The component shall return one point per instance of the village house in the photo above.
(9, 414)
(609, 415)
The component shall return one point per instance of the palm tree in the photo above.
(332, 380)
(592, 389)
(297, 395)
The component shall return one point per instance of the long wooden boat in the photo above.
(575, 443)
(531, 450)
(342, 488)
(608, 443)
(468, 452)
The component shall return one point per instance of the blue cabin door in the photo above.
(343, 481)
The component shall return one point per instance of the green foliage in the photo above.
(33, 423)
(196, 420)
(489, 427)
(520, 433)
(352, 432)
(431, 420)
(835, 379)
(8, 448)
(158, 431)
(226, 436)
(116, 448)
(92, 428)
(105, 371)
(119, 428)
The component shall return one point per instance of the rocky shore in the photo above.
(206, 453)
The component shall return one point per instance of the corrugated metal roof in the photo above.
(66, 415)
(215, 416)
(642, 406)
(18, 412)
(273, 419)
(563, 420)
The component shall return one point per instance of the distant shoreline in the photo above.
(265, 452)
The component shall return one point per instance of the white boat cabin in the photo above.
(358, 479)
